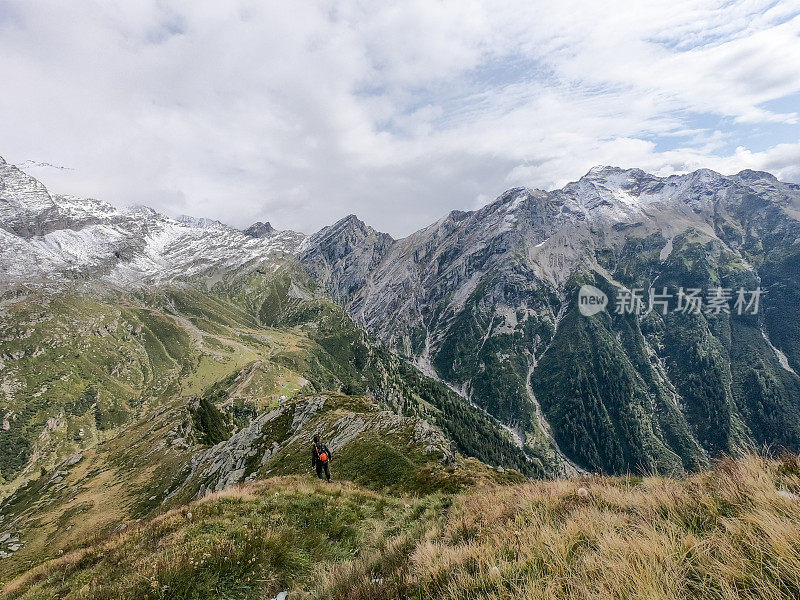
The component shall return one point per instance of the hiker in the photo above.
(320, 458)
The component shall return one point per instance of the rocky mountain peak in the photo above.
(457, 215)
(612, 177)
(601, 170)
(260, 230)
(751, 175)
(514, 196)
(345, 235)
(141, 210)
(706, 176)
(51, 237)
(350, 246)
(352, 223)
(504, 207)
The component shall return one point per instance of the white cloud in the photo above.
(303, 112)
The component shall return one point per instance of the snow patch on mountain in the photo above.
(48, 237)
(782, 359)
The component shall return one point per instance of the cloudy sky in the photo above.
(302, 112)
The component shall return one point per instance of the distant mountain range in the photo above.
(486, 302)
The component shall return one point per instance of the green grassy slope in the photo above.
(122, 405)
(164, 460)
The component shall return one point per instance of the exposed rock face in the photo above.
(484, 299)
(9, 544)
(260, 230)
(530, 239)
(342, 255)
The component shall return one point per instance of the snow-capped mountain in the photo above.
(50, 237)
(486, 301)
(546, 235)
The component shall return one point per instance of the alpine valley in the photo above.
(160, 378)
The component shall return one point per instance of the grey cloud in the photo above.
(299, 113)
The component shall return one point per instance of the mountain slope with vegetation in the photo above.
(478, 300)
(487, 301)
(121, 405)
(161, 380)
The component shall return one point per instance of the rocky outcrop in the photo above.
(260, 230)
(288, 428)
(341, 256)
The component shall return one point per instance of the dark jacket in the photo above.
(316, 450)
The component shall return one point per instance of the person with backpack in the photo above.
(321, 458)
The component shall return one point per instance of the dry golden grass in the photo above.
(726, 534)
(732, 533)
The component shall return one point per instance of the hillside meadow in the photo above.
(731, 532)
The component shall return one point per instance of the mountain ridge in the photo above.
(481, 296)
(484, 301)
(31, 211)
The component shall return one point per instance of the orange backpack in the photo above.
(321, 454)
